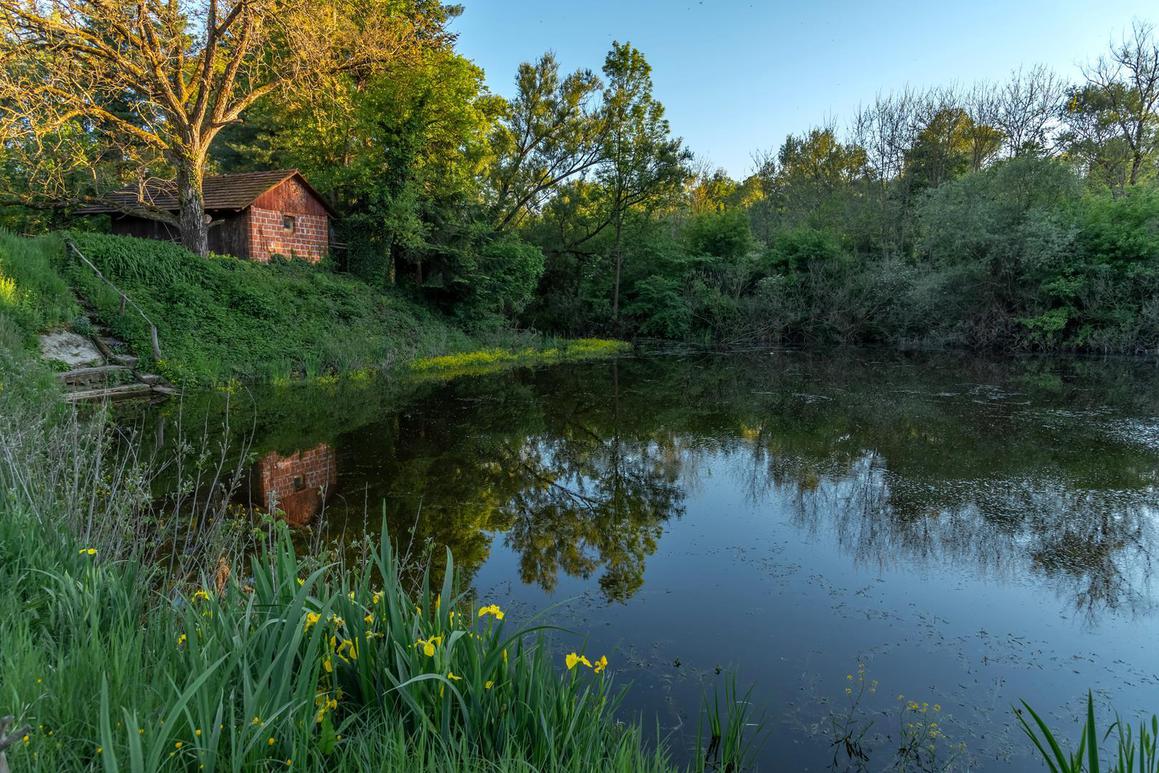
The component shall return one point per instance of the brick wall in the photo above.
(296, 484)
(309, 240)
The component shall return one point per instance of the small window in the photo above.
(288, 223)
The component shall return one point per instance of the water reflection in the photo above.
(295, 486)
(1012, 470)
(980, 531)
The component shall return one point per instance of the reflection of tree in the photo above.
(592, 502)
(1094, 550)
(994, 466)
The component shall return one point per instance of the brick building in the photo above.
(254, 215)
(297, 484)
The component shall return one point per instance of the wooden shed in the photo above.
(254, 215)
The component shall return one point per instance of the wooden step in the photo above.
(96, 373)
(124, 359)
(121, 392)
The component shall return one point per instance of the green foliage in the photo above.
(311, 668)
(31, 292)
(798, 248)
(499, 280)
(220, 318)
(659, 309)
(725, 235)
(1131, 753)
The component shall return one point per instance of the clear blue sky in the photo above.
(737, 76)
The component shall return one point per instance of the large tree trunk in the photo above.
(191, 219)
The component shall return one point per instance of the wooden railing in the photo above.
(125, 299)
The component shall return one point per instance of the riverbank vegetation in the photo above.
(1013, 216)
(221, 319)
(143, 637)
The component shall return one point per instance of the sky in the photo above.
(737, 76)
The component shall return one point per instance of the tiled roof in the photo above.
(222, 192)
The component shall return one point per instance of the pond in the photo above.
(846, 532)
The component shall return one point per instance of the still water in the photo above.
(961, 533)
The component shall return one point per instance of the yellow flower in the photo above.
(26, 740)
(100, 750)
(337, 621)
(197, 732)
(369, 619)
(375, 598)
(256, 722)
(428, 645)
(601, 664)
(328, 665)
(350, 648)
(312, 619)
(573, 660)
(182, 639)
(87, 551)
(488, 684)
(178, 745)
(272, 741)
(201, 595)
(301, 582)
(451, 675)
(493, 609)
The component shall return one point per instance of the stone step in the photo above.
(152, 379)
(121, 392)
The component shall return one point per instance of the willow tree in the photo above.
(150, 83)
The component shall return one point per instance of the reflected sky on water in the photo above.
(970, 531)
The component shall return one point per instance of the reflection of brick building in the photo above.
(297, 484)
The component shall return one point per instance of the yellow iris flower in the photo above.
(492, 610)
(572, 660)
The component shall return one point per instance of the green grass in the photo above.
(1133, 751)
(32, 294)
(327, 669)
(221, 318)
(490, 360)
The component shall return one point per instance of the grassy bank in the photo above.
(221, 319)
(493, 359)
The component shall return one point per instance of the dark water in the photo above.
(966, 532)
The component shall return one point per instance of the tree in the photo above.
(1119, 106)
(1027, 109)
(402, 154)
(154, 83)
(641, 162)
(550, 132)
